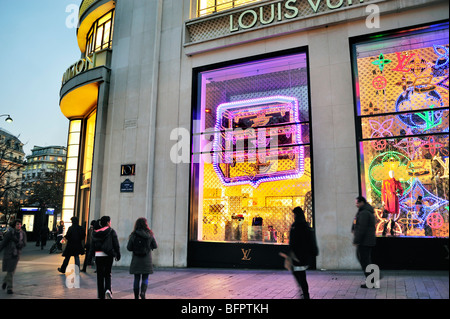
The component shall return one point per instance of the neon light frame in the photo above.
(223, 107)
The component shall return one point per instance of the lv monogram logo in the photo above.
(246, 253)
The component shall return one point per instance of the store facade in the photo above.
(215, 119)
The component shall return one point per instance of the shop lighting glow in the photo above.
(431, 203)
(258, 113)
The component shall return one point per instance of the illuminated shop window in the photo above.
(251, 155)
(70, 181)
(402, 106)
(100, 35)
(205, 7)
(88, 150)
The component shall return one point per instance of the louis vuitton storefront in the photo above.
(220, 117)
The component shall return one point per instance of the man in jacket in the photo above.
(364, 233)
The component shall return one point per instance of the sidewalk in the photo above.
(37, 277)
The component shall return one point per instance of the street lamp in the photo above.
(8, 118)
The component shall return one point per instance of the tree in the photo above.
(11, 165)
(47, 191)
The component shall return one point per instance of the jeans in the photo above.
(104, 266)
(137, 280)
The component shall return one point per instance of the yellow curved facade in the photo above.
(87, 22)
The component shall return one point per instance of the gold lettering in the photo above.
(246, 253)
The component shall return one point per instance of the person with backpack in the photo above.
(141, 242)
(105, 246)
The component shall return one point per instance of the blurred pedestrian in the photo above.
(60, 234)
(141, 242)
(88, 257)
(13, 242)
(105, 245)
(44, 236)
(363, 230)
(303, 249)
(75, 244)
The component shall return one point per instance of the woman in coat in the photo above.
(303, 249)
(141, 242)
(13, 242)
(75, 244)
(105, 247)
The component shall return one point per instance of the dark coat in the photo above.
(142, 264)
(302, 243)
(364, 226)
(13, 242)
(100, 236)
(75, 241)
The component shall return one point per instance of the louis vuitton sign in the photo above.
(280, 11)
(241, 19)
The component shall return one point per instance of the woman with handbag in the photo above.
(75, 244)
(105, 246)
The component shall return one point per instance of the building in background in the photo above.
(214, 119)
(12, 158)
(42, 186)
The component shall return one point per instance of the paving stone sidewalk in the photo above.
(37, 277)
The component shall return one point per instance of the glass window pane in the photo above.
(251, 152)
(99, 38)
(402, 104)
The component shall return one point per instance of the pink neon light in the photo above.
(254, 107)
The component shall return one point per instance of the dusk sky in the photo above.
(37, 46)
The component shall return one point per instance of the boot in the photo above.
(143, 290)
(136, 293)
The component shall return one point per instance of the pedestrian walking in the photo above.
(13, 242)
(364, 234)
(88, 257)
(303, 249)
(44, 236)
(60, 234)
(105, 246)
(141, 242)
(75, 244)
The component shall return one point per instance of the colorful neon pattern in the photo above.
(409, 145)
(381, 165)
(260, 170)
(425, 120)
(413, 142)
(432, 146)
(381, 62)
(432, 204)
(380, 130)
(443, 57)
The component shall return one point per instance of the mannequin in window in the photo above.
(391, 190)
